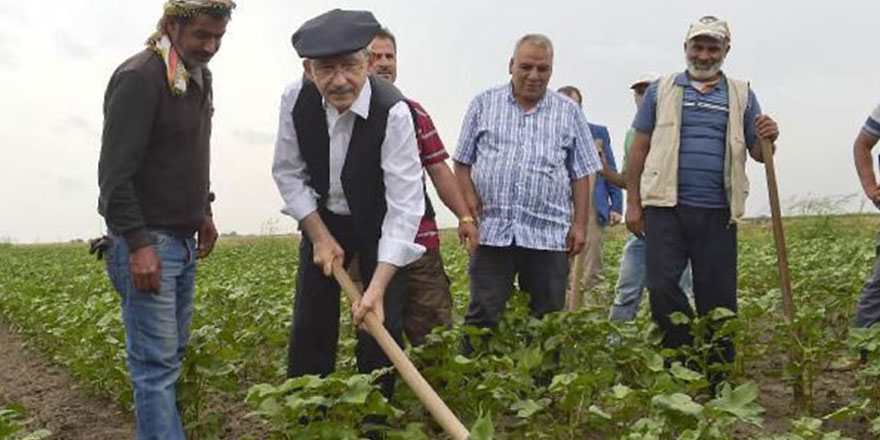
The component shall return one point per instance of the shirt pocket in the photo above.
(554, 149)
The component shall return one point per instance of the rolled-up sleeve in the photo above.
(466, 152)
(288, 166)
(872, 124)
(582, 159)
(404, 190)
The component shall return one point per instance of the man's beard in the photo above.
(703, 73)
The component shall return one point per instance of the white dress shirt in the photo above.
(404, 194)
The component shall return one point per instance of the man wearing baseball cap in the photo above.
(347, 166)
(631, 278)
(687, 184)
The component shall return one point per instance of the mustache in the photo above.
(339, 90)
(704, 65)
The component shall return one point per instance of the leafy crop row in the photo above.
(568, 376)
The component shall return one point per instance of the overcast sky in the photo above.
(812, 65)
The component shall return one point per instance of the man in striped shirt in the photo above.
(868, 309)
(523, 160)
(428, 302)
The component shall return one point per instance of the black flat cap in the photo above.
(335, 32)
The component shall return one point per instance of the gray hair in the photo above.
(536, 39)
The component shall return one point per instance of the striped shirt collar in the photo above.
(683, 79)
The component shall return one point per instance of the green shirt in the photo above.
(627, 143)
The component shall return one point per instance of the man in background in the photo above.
(631, 277)
(428, 301)
(605, 210)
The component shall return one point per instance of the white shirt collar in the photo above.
(361, 104)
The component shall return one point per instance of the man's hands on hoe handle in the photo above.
(326, 251)
(374, 297)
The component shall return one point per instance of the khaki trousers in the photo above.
(587, 264)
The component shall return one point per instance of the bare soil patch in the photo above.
(52, 398)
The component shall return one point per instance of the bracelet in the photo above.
(467, 219)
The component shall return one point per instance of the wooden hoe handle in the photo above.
(442, 414)
(778, 234)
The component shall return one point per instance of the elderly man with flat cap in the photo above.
(687, 183)
(347, 166)
(154, 181)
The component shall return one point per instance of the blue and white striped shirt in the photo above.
(872, 125)
(523, 163)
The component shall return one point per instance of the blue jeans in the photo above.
(631, 281)
(156, 331)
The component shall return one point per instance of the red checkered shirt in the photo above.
(431, 151)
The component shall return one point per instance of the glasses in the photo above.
(348, 69)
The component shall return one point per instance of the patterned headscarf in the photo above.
(186, 8)
(159, 42)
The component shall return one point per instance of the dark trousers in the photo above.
(707, 238)
(314, 333)
(543, 274)
(868, 308)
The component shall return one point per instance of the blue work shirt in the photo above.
(704, 119)
(606, 197)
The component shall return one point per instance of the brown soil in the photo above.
(52, 399)
(54, 402)
(832, 391)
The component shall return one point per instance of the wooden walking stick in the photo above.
(442, 414)
(781, 253)
(778, 234)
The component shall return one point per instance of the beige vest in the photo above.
(659, 183)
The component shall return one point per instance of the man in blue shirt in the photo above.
(523, 161)
(605, 210)
(868, 310)
(631, 275)
(686, 185)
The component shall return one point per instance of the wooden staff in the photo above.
(778, 234)
(782, 258)
(442, 414)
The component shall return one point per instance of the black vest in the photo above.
(362, 176)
